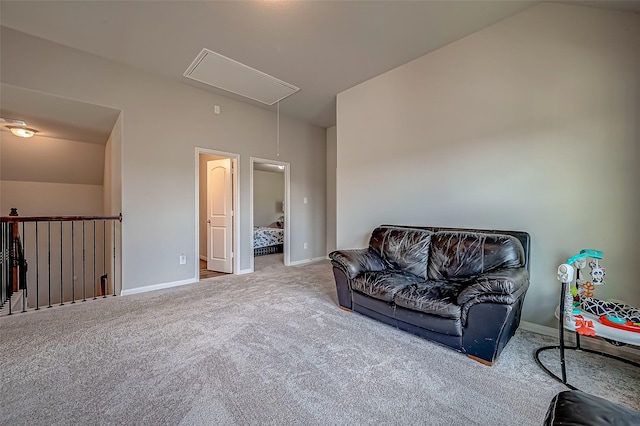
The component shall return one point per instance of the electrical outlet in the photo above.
(305, 246)
(183, 259)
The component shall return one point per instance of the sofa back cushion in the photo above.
(403, 248)
(463, 255)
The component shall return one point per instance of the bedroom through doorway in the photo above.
(269, 213)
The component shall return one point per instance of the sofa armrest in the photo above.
(491, 310)
(573, 407)
(493, 286)
(354, 262)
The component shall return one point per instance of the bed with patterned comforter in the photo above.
(267, 240)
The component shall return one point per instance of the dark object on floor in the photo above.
(278, 248)
(577, 408)
(463, 288)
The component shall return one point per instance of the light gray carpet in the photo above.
(270, 347)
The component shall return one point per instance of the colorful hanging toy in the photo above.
(580, 298)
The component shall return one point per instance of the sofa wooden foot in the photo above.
(481, 361)
(345, 309)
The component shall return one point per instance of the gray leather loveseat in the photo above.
(463, 288)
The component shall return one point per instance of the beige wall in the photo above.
(268, 195)
(50, 199)
(113, 171)
(531, 124)
(158, 169)
(332, 154)
(112, 196)
(46, 159)
(44, 176)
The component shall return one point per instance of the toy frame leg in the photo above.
(563, 347)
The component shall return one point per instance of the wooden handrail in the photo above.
(57, 218)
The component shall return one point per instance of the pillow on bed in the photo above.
(278, 223)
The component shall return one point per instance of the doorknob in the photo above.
(209, 221)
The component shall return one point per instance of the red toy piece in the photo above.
(626, 326)
(584, 327)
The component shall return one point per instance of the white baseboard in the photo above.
(245, 271)
(203, 258)
(628, 352)
(540, 329)
(305, 261)
(153, 287)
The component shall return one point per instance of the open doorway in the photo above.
(269, 212)
(217, 213)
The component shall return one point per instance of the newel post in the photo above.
(12, 251)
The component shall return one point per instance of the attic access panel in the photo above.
(216, 70)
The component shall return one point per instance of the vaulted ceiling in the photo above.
(322, 47)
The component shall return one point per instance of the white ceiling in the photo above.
(323, 47)
(265, 167)
(56, 117)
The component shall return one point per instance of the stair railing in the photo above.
(58, 259)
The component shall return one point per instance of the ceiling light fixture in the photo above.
(23, 132)
(18, 127)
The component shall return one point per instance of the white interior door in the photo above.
(219, 216)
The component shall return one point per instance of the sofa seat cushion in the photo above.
(383, 285)
(431, 297)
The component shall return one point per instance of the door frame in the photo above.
(235, 222)
(287, 206)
